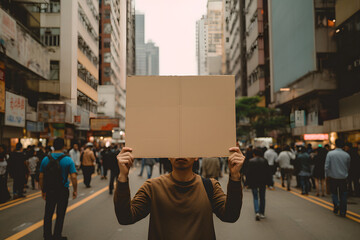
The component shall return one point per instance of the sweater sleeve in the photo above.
(130, 211)
(227, 207)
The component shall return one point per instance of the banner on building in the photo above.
(52, 112)
(103, 124)
(300, 118)
(14, 110)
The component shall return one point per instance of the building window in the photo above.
(107, 57)
(325, 17)
(107, 43)
(50, 36)
(54, 70)
(107, 14)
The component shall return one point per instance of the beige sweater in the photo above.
(178, 210)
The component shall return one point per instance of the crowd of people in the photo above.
(332, 171)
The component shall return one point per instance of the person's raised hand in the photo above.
(236, 161)
(125, 160)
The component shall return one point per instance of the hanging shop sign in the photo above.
(52, 112)
(103, 124)
(14, 110)
(316, 137)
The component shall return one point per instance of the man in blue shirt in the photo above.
(57, 198)
(337, 166)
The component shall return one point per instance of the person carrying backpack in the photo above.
(181, 204)
(54, 183)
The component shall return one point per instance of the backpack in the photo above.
(208, 188)
(53, 180)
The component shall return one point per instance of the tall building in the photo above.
(71, 30)
(140, 55)
(113, 49)
(302, 53)
(152, 58)
(214, 36)
(201, 46)
(24, 65)
(257, 48)
(130, 38)
(146, 54)
(347, 33)
(236, 47)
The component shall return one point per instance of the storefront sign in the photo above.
(34, 126)
(77, 119)
(314, 137)
(51, 112)
(103, 124)
(14, 110)
(2, 91)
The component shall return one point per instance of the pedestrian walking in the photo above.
(181, 204)
(113, 166)
(149, 165)
(54, 182)
(258, 175)
(88, 164)
(75, 155)
(32, 162)
(4, 192)
(319, 170)
(142, 166)
(270, 155)
(304, 161)
(17, 170)
(210, 168)
(106, 158)
(354, 171)
(286, 168)
(337, 166)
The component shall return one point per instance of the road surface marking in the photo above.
(28, 198)
(327, 206)
(41, 223)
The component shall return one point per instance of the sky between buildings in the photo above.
(171, 25)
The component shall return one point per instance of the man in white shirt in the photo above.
(75, 155)
(270, 155)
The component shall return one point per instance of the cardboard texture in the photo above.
(180, 116)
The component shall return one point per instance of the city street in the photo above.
(91, 216)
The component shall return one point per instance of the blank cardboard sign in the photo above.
(180, 116)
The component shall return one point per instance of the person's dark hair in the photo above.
(303, 149)
(258, 152)
(286, 148)
(272, 146)
(339, 143)
(18, 146)
(39, 144)
(327, 146)
(59, 143)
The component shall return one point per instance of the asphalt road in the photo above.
(91, 216)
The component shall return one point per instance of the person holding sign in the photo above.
(181, 204)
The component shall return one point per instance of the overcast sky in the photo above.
(171, 25)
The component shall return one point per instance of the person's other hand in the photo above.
(125, 161)
(236, 161)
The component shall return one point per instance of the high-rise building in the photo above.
(236, 47)
(152, 58)
(257, 49)
(140, 54)
(201, 46)
(130, 38)
(71, 30)
(302, 53)
(113, 49)
(24, 65)
(347, 124)
(146, 54)
(214, 36)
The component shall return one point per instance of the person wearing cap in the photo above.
(181, 204)
(88, 164)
